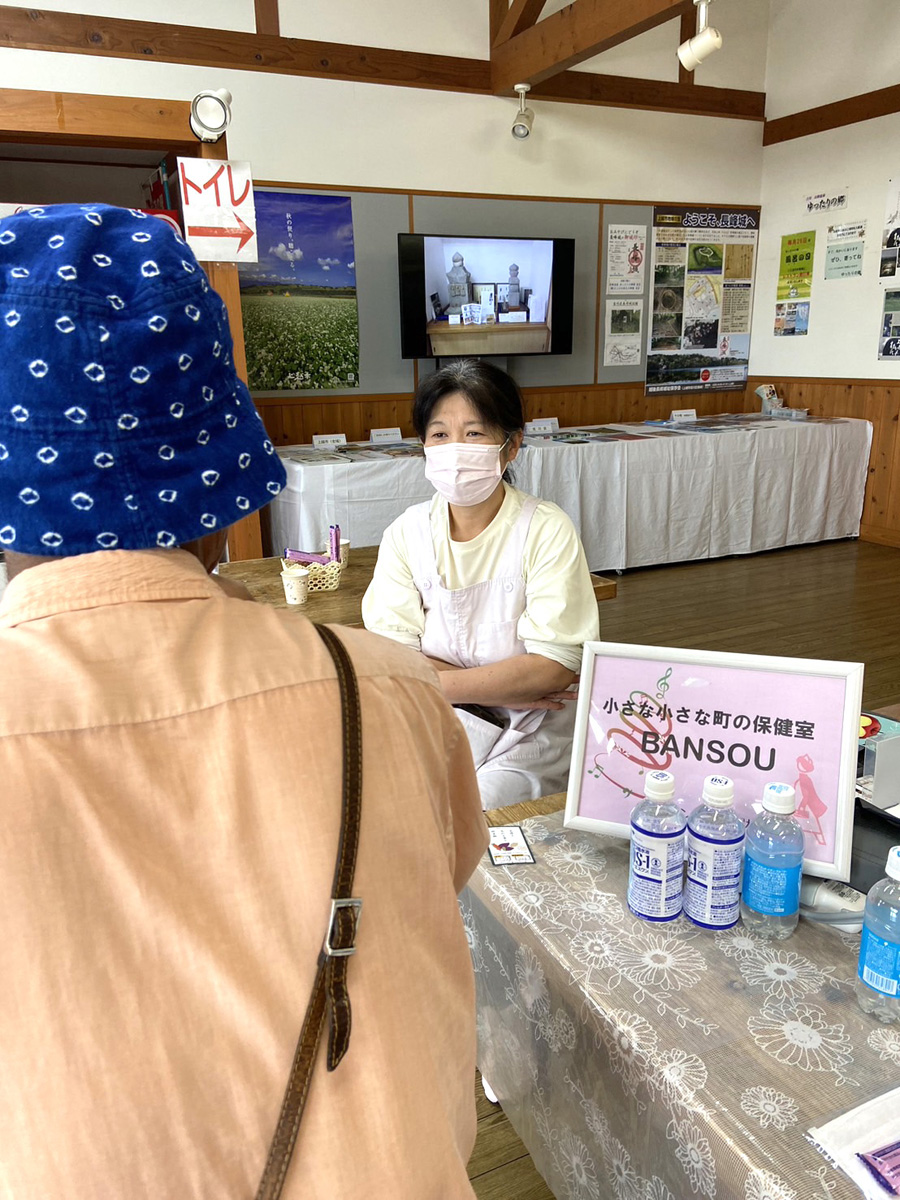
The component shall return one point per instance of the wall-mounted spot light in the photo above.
(521, 126)
(692, 52)
(210, 114)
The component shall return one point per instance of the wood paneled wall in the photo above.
(294, 421)
(873, 400)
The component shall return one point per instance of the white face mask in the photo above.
(463, 474)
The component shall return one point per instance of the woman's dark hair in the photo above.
(491, 392)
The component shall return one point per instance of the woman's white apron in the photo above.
(473, 627)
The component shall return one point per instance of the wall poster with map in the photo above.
(702, 266)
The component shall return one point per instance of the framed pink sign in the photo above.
(695, 713)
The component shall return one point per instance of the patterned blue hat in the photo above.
(123, 423)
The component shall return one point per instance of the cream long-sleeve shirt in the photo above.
(561, 610)
(170, 767)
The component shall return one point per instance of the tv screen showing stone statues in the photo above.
(485, 296)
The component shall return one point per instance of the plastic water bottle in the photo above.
(773, 860)
(715, 847)
(657, 851)
(878, 985)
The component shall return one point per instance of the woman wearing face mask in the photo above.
(490, 584)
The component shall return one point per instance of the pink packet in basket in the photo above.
(303, 556)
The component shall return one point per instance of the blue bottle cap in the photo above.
(659, 785)
(779, 798)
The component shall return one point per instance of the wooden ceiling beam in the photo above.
(687, 31)
(521, 15)
(575, 33)
(657, 95)
(266, 12)
(114, 38)
(31, 29)
(497, 10)
(56, 118)
(866, 107)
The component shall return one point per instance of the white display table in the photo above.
(635, 503)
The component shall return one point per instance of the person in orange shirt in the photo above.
(172, 763)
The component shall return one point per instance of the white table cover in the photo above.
(635, 503)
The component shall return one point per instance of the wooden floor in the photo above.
(836, 600)
(500, 1167)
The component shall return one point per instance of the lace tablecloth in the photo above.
(640, 1062)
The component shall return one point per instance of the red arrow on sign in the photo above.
(244, 232)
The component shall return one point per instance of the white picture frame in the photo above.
(620, 735)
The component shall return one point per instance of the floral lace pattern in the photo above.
(770, 1107)
(658, 1062)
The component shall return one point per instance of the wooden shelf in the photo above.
(525, 337)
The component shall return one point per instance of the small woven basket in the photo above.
(323, 577)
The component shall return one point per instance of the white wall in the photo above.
(816, 58)
(825, 50)
(844, 315)
(459, 28)
(316, 131)
(208, 14)
(741, 63)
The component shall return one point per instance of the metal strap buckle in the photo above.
(339, 951)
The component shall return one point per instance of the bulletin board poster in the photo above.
(890, 237)
(795, 268)
(754, 719)
(626, 260)
(844, 250)
(844, 260)
(792, 319)
(702, 263)
(301, 326)
(889, 339)
(622, 343)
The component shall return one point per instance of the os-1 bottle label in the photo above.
(712, 894)
(655, 875)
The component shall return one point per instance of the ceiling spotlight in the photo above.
(692, 52)
(521, 126)
(210, 114)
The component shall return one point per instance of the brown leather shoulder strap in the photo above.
(330, 987)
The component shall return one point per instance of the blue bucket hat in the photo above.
(123, 423)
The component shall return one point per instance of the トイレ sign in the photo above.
(218, 207)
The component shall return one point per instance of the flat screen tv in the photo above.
(470, 296)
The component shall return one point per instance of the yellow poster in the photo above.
(796, 266)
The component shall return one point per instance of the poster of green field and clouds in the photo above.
(299, 301)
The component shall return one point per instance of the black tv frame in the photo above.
(413, 320)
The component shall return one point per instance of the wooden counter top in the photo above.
(343, 606)
(262, 579)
